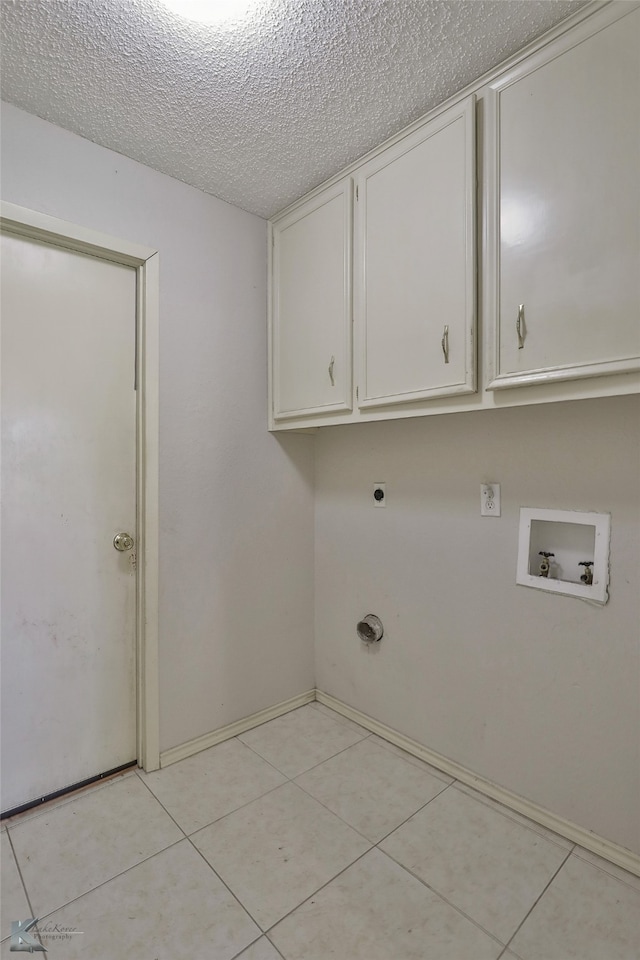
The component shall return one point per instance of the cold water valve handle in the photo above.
(544, 563)
(587, 576)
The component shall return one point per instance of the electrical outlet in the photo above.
(379, 495)
(489, 499)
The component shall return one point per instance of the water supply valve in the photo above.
(587, 576)
(544, 563)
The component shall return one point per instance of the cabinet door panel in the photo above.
(416, 283)
(312, 307)
(568, 155)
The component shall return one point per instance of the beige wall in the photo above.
(236, 505)
(539, 693)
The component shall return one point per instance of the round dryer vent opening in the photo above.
(370, 628)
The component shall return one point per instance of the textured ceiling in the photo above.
(261, 113)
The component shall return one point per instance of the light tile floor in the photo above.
(307, 839)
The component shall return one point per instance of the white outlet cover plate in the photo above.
(489, 499)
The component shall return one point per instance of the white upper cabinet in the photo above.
(563, 275)
(414, 295)
(555, 256)
(311, 307)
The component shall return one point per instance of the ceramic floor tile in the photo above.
(65, 853)
(207, 786)
(414, 761)
(14, 903)
(370, 788)
(261, 950)
(278, 850)
(487, 865)
(611, 868)
(172, 905)
(375, 910)
(518, 817)
(585, 914)
(332, 715)
(299, 740)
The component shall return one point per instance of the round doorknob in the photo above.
(123, 541)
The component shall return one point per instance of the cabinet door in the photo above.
(415, 288)
(311, 307)
(564, 213)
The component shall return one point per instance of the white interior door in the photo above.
(68, 487)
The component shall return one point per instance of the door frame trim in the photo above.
(24, 222)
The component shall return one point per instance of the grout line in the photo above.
(143, 782)
(262, 936)
(258, 726)
(237, 809)
(272, 944)
(326, 760)
(19, 869)
(288, 780)
(102, 883)
(371, 842)
(410, 817)
(402, 867)
(316, 892)
(318, 764)
(342, 721)
(229, 890)
(293, 780)
(511, 815)
(599, 866)
(538, 899)
(230, 740)
(264, 759)
(566, 830)
(133, 866)
(424, 883)
(432, 771)
(239, 956)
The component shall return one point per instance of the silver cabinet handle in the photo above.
(331, 377)
(520, 328)
(445, 343)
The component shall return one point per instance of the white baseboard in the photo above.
(572, 831)
(187, 749)
(566, 828)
